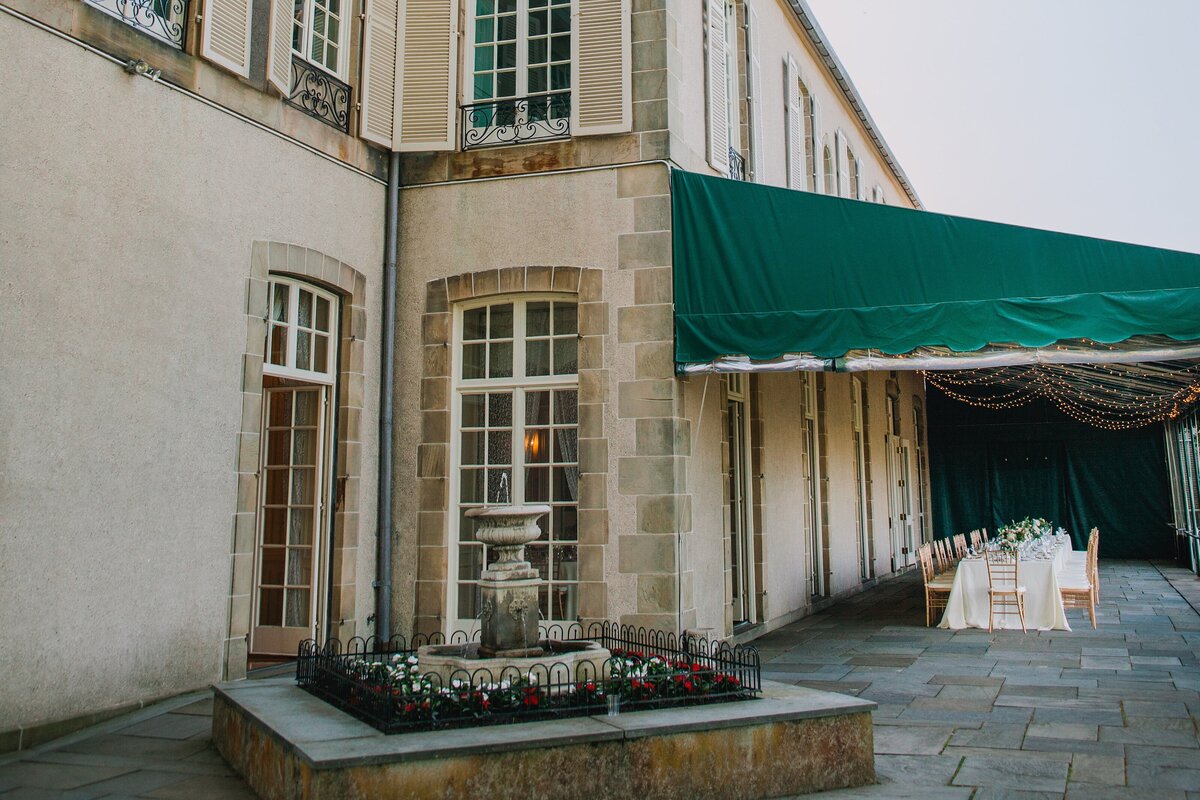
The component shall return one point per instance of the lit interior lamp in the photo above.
(533, 445)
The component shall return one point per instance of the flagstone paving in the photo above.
(1110, 713)
(1106, 713)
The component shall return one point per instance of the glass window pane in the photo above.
(468, 601)
(507, 6)
(304, 447)
(483, 91)
(306, 408)
(566, 563)
(499, 447)
(484, 7)
(564, 601)
(472, 410)
(270, 607)
(566, 523)
(560, 77)
(506, 84)
(303, 350)
(537, 485)
(279, 335)
(538, 556)
(537, 319)
(537, 357)
(279, 305)
(539, 23)
(472, 447)
(485, 29)
(566, 356)
(296, 613)
(566, 449)
(560, 48)
(474, 357)
(280, 412)
(501, 322)
(470, 561)
(538, 48)
(277, 487)
(483, 57)
(537, 408)
(322, 314)
(278, 447)
(566, 481)
(302, 486)
(506, 56)
(299, 566)
(565, 319)
(300, 526)
(500, 358)
(275, 525)
(271, 571)
(499, 486)
(566, 407)
(560, 20)
(466, 525)
(471, 486)
(506, 28)
(538, 79)
(475, 324)
(537, 446)
(500, 410)
(321, 354)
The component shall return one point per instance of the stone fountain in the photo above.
(508, 587)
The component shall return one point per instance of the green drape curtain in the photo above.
(989, 467)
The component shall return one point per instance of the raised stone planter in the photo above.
(288, 744)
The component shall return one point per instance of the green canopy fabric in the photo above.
(762, 272)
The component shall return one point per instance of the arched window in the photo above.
(300, 331)
(515, 422)
(830, 174)
(808, 111)
(852, 164)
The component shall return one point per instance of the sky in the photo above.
(1080, 116)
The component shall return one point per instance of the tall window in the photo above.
(831, 186)
(516, 427)
(319, 29)
(741, 544)
(812, 486)
(521, 49)
(852, 169)
(858, 406)
(737, 165)
(808, 111)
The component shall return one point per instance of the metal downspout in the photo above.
(387, 355)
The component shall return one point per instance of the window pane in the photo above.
(296, 614)
(485, 30)
(300, 526)
(506, 56)
(470, 561)
(564, 601)
(560, 77)
(303, 350)
(506, 85)
(321, 354)
(279, 345)
(560, 20)
(483, 57)
(474, 357)
(566, 563)
(475, 324)
(566, 449)
(560, 48)
(471, 486)
(499, 447)
(538, 79)
(299, 566)
(270, 607)
(277, 487)
(539, 23)
(501, 322)
(302, 486)
(537, 408)
(537, 357)
(280, 413)
(298, 26)
(537, 484)
(483, 7)
(274, 525)
(472, 447)
(507, 6)
(566, 523)
(304, 447)
(566, 319)
(537, 51)
(278, 449)
(566, 356)
(500, 410)
(566, 479)
(500, 356)
(499, 486)
(538, 556)
(306, 408)
(466, 525)
(506, 28)
(271, 571)
(279, 306)
(472, 410)
(537, 446)
(322, 314)
(468, 601)
(566, 409)
(483, 91)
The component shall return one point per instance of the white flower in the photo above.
(412, 659)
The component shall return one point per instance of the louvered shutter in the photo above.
(758, 166)
(795, 125)
(600, 68)
(425, 107)
(225, 36)
(718, 90)
(279, 54)
(379, 72)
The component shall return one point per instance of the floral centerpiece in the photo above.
(1015, 534)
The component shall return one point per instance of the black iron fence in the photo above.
(383, 684)
(515, 121)
(737, 165)
(165, 20)
(319, 94)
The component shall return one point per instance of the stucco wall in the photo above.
(125, 250)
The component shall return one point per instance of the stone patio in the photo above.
(1110, 713)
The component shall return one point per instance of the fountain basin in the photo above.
(558, 663)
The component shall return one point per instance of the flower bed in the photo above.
(383, 685)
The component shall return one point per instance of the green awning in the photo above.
(764, 272)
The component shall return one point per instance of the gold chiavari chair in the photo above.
(1004, 587)
(942, 557)
(937, 587)
(960, 546)
(976, 540)
(984, 533)
(1079, 589)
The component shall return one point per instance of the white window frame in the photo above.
(853, 175)
(828, 168)
(345, 19)
(877, 195)
(519, 384)
(288, 369)
(810, 416)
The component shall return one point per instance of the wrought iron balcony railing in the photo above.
(737, 165)
(319, 94)
(162, 19)
(517, 120)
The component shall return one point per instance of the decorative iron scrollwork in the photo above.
(737, 165)
(320, 95)
(162, 19)
(516, 121)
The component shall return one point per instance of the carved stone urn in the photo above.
(508, 587)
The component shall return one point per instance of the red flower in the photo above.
(409, 708)
(591, 687)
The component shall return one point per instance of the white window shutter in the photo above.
(425, 108)
(601, 68)
(379, 72)
(279, 51)
(225, 37)
(758, 166)
(795, 125)
(718, 94)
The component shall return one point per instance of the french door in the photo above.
(291, 553)
(741, 542)
(900, 497)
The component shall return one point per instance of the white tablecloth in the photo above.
(967, 606)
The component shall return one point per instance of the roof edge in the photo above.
(820, 41)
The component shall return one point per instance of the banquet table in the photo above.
(967, 606)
